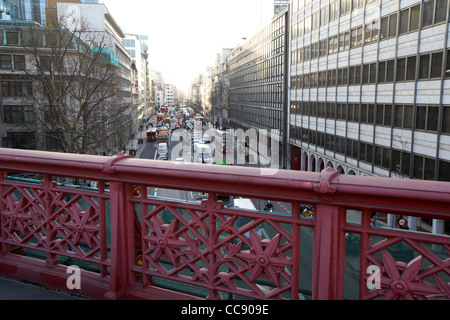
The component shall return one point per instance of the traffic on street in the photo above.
(177, 134)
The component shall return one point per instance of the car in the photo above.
(163, 151)
(163, 132)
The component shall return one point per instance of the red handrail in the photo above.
(121, 230)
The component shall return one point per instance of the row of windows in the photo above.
(344, 41)
(399, 116)
(257, 53)
(400, 69)
(433, 12)
(18, 114)
(27, 140)
(325, 15)
(269, 95)
(12, 62)
(11, 88)
(269, 70)
(258, 117)
(370, 32)
(396, 161)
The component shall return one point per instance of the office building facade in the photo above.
(23, 10)
(257, 94)
(369, 88)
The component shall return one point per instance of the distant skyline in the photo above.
(185, 35)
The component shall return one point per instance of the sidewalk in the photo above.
(134, 144)
(16, 290)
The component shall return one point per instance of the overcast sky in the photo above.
(185, 35)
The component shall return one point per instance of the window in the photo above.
(356, 37)
(19, 62)
(18, 114)
(411, 68)
(388, 26)
(404, 21)
(436, 65)
(382, 71)
(382, 157)
(403, 116)
(392, 25)
(332, 45)
(401, 69)
(414, 18)
(20, 140)
(367, 113)
(323, 47)
(446, 120)
(424, 168)
(365, 152)
(324, 15)
(5, 61)
(384, 27)
(401, 162)
(430, 65)
(444, 171)
(355, 75)
(334, 10)
(384, 114)
(389, 71)
(332, 77)
(12, 38)
(369, 73)
(345, 6)
(427, 118)
(427, 13)
(17, 88)
(424, 66)
(441, 10)
(373, 73)
(346, 40)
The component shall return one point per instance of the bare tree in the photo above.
(77, 85)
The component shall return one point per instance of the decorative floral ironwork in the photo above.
(265, 258)
(402, 281)
(83, 226)
(163, 241)
(21, 218)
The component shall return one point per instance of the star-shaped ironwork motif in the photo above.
(265, 259)
(401, 281)
(163, 240)
(83, 227)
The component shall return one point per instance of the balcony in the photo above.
(130, 244)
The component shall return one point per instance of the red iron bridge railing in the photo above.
(130, 241)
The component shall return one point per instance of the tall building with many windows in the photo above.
(23, 10)
(280, 5)
(258, 82)
(369, 88)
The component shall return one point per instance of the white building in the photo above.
(169, 95)
(369, 88)
(105, 29)
(139, 75)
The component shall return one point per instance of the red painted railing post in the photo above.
(2, 208)
(328, 254)
(328, 243)
(119, 270)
